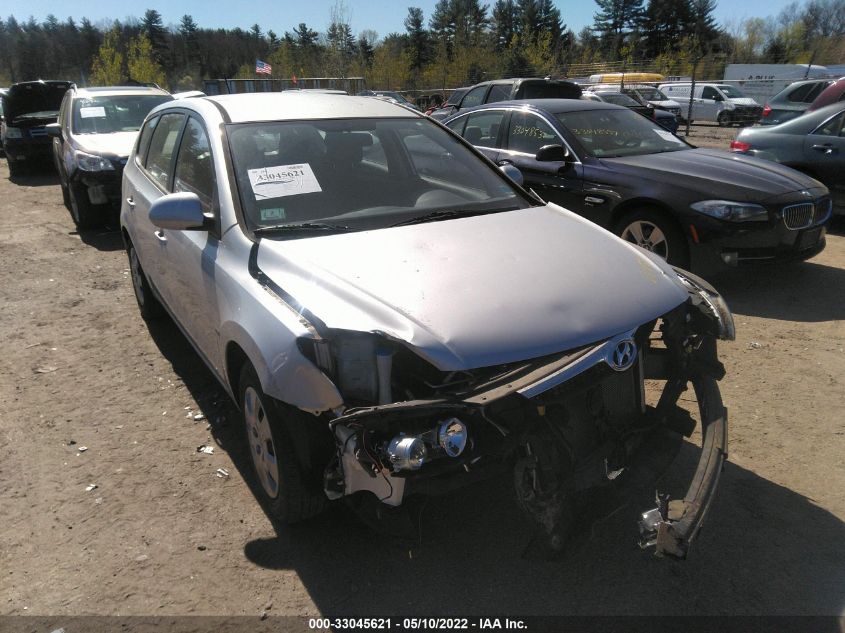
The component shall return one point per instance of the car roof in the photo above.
(297, 106)
(551, 105)
(112, 91)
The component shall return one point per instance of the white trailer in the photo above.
(761, 81)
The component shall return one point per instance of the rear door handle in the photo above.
(131, 202)
(160, 235)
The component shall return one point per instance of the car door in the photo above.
(153, 179)
(824, 152)
(709, 105)
(552, 181)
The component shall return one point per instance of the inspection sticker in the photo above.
(283, 180)
(92, 112)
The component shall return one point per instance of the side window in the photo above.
(160, 156)
(528, 133)
(799, 95)
(709, 93)
(194, 167)
(144, 141)
(815, 92)
(483, 128)
(833, 127)
(499, 92)
(457, 125)
(474, 97)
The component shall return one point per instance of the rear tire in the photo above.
(84, 214)
(148, 304)
(15, 169)
(290, 490)
(656, 232)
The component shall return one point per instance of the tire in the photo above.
(656, 232)
(84, 214)
(15, 169)
(290, 490)
(148, 304)
(724, 119)
(65, 191)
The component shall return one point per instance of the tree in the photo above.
(506, 23)
(419, 46)
(141, 63)
(152, 25)
(614, 20)
(107, 68)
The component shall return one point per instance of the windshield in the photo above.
(651, 94)
(618, 98)
(731, 92)
(615, 133)
(104, 115)
(360, 173)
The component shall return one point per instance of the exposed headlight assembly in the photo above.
(13, 132)
(731, 211)
(89, 162)
(714, 301)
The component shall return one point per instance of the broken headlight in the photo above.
(713, 300)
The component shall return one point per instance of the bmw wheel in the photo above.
(290, 489)
(654, 232)
(148, 304)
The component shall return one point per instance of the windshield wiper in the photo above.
(445, 215)
(302, 226)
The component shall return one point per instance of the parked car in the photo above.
(27, 108)
(655, 98)
(717, 103)
(792, 101)
(813, 143)
(662, 117)
(91, 142)
(2, 118)
(391, 326)
(693, 207)
(390, 94)
(450, 103)
(834, 93)
(509, 89)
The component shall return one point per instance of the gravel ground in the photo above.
(162, 534)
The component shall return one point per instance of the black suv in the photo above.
(27, 108)
(510, 90)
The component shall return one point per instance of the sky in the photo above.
(383, 16)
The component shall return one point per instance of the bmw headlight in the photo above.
(89, 162)
(14, 132)
(732, 211)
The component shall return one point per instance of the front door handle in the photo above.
(131, 202)
(827, 148)
(160, 235)
(503, 162)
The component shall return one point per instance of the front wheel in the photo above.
(654, 232)
(289, 489)
(724, 119)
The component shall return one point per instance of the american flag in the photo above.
(263, 68)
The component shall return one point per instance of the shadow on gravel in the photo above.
(764, 550)
(37, 175)
(807, 291)
(105, 239)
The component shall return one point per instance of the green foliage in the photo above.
(107, 66)
(141, 63)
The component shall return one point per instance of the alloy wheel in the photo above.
(648, 236)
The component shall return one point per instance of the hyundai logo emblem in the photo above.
(623, 355)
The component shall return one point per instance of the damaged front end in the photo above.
(566, 424)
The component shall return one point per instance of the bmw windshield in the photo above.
(619, 132)
(356, 174)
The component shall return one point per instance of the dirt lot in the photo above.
(162, 534)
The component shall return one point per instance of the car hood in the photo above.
(717, 174)
(114, 144)
(477, 291)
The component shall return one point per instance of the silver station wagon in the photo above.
(395, 316)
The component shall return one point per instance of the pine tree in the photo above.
(418, 41)
(614, 20)
(107, 68)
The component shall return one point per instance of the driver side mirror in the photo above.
(553, 154)
(718, 98)
(179, 212)
(54, 130)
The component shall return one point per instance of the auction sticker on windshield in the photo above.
(668, 136)
(92, 112)
(283, 180)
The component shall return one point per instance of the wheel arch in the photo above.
(643, 202)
